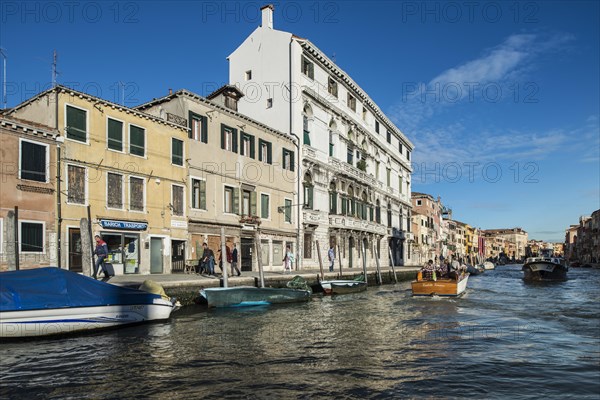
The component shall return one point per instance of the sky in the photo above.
(500, 99)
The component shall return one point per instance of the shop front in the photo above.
(123, 241)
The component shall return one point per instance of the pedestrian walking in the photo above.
(331, 257)
(288, 259)
(234, 261)
(101, 252)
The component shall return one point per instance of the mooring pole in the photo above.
(261, 274)
(320, 260)
(224, 257)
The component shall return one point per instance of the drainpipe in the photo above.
(58, 208)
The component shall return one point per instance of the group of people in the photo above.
(444, 270)
(206, 264)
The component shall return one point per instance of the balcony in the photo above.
(350, 223)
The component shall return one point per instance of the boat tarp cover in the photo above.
(300, 283)
(51, 287)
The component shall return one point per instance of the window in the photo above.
(137, 141)
(332, 87)
(264, 206)
(231, 200)
(264, 154)
(198, 194)
(270, 102)
(288, 159)
(377, 167)
(305, 129)
(76, 124)
(308, 68)
(332, 199)
(288, 210)
(247, 148)
(114, 134)
(177, 152)
(331, 144)
(307, 245)
(351, 101)
(248, 75)
(419, 202)
(400, 184)
(228, 138)
(177, 200)
(364, 113)
(377, 126)
(389, 137)
(350, 156)
(198, 128)
(136, 194)
(408, 154)
(389, 177)
(389, 215)
(308, 193)
(31, 237)
(231, 103)
(114, 190)
(75, 184)
(400, 150)
(34, 161)
(248, 203)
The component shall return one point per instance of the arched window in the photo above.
(308, 191)
(365, 206)
(351, 208)
(389, 215)
(332, 198)
(378, 212)
(306, 117)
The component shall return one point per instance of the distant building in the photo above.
(516, 241)
(427, 226)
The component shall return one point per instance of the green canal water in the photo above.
(503, 339)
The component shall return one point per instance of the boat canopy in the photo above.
(51, 287)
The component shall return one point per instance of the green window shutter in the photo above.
(269, 153)
(204, 123)
(260, 146)
(115, 135)
(76, 124)
(137, 141)
(177, 151)
(264, 206)
(203, 195)
(283, 153)
(253, 204)
(292, 161)
(236, 200)
(343, 205)
(252, 149)
(288, 211)
(191, 117)
(310, 197)
(234, 136)
(222, 136)
(242, 136)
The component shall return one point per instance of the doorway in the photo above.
(156, 255)
(75, 261)
(177, 255)
(246, 250)
(350, 251)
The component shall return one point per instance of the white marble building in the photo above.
(354, 163)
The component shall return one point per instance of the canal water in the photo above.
(503, 339)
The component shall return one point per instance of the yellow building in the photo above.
(123, 167)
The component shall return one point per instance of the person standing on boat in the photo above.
(331, 256)
(101, 254)
(234, 261)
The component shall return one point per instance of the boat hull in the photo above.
(343, 286)
(440, 287)
(489, 265)
(544, 271)
(44, 322)
(244, 296)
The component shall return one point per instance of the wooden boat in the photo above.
(489, 265)
(475, 269)
(440, 287)
(53, 301)
(342, 286)
(243, 296)
(545, 268)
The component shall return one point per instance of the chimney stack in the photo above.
(267, 16)
(170, 91)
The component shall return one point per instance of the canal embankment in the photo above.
(186, 287)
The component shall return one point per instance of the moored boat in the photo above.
(344, 286)
(489, 265)
(475, 269)
(53, 301)
(545, 268)
(241, 296)
(440, 287)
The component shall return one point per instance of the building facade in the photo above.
(28, 197)
(353, 164)
(122, 169)
(238, 177)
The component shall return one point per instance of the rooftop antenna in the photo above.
(333, 57)
(54, 72)
(3, 53)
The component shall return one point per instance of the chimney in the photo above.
(170, 91)
(267, 16)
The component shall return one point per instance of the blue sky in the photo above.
(501, 99)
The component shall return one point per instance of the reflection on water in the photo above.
(502, 339)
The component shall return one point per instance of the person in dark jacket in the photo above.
(234, 261)
(101, 254)
(208, 260)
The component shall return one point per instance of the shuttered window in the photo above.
(264, 206)
(288, 159)
(199, 194)
(76, 184)
(136, 194)
(288, 211)
(229, 138)
(177, 200)
(247, 145)
(115, 135)
(264, 154)
(34, 160)
(137, 140)
(177, 151)
(76, 124)
(114, 190)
